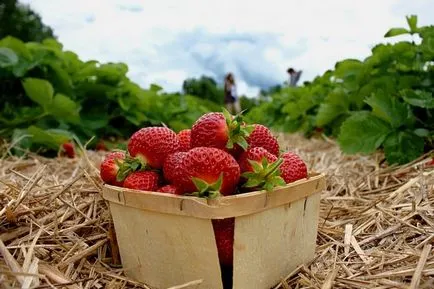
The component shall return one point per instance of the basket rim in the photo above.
(222, 207)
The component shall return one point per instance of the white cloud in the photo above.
(167, 40)
(170, 77)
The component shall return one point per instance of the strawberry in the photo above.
(100, 146)
(171, 189)
(261, 136)
(319, 130)
(220, 130)
(208, 172)
(171, 166)
(260, 168)
(142, 180)
(110, 166)
(224, 236)
(293, 167)
(254, 154)
(151, 145)
(184, 137)
(69, 149)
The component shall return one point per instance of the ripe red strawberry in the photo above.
(184, 140)
(69, 149)
(142, 180)
(293, 167)
(171, 166)
(152, 145)
(261, 136)
(219, 130)
(100, 146)
(224, 236)
(109, 168)
(260, 168)
(170, 189)
(207, 172)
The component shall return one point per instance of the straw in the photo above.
(375, 228)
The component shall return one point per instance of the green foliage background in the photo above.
(383, 102)
(19, 21)
(49, 96)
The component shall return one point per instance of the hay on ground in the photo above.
(376, 226)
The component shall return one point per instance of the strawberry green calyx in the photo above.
(264, 175)
(237, 130)
(129, 165)
(205, 190)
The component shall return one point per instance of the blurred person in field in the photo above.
(294, 76)
(232, 103)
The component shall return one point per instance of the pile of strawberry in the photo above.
(220, 155)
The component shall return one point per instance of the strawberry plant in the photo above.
(49, 96)
(383, 102)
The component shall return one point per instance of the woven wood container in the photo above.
(166, 240)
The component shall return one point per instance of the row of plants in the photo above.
(49, 96)
(383, 102)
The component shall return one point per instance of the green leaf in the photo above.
(403, 147)
(95, 119)
(388, 108)
(293, 110)
(201, 185)
(7, 57)
(206, 190)
(362, 132)
(38, 90)
(59, 78)
(50, 139)
(218, 184)
(278, 181)
(253, 182)
(21, 140)
(396, 31)
(418, 98)
(412, 22)
(348, 69)
(421, 132)
(242, 142)
(230, 144)
(264, 162)
(17, 46)
(64, 108)
(51, 42)
(227, 115)
(155, 87)
(255, 165)
(327, 113)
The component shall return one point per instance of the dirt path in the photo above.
(376, 226)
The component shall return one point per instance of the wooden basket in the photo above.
(166, 240)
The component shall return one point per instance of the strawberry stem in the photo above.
(237, 132)
(129, 165)
(205, 190)
(264, 175)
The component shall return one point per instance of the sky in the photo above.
(168, 41)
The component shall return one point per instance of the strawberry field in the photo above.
(375, 225)
(70, 127)
(383, 102)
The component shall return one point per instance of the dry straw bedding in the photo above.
(376, 225)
